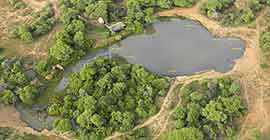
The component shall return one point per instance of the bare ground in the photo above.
(34, 4)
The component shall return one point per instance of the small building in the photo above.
(101, 20)
(117, 27)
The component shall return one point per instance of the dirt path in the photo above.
(160, 125)
(55, 8)
(259, 107)
(164, 107)
(162, 115)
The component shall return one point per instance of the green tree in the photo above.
(63, 125)
(7, 97)
(149, 15)
(28, 94)
(84, 119)
(193, 114)
(97, 120)
(99, 9)
(54, 109)
(68, 14)
(213, 112)
(255, 5)
(247, 15)
(210, 7)
(184, 3)
(233, 106)
(61, 51)
(186, 134)
(76, 25)
(165, 4)
(17, 76)
(122, 121)
(24, 33)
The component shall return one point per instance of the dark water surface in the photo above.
(181, 47)
(176, 47)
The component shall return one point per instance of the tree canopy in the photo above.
(207, 111)
(109, 95)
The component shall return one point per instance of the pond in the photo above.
(173, 47)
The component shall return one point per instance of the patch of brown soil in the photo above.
(9, 16)
(10, 117)
(55, 8)
(36, 5)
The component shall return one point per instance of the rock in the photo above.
(31, 74)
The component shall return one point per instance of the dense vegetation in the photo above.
(244, 15)
(107, 96)
(225, 12)
(17, 4)
(139, 134)
(11, 134)
(265, 42)
(212, 7)
(207, 111)
(15, 84)
(43, 23)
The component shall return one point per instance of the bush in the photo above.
(28, 94)
(265, 42)
(205, 113)
(254, 134)
(17, 4)
(63, 125)
(109, 95)
(184, 3)
(7, 97)
(186, 134)
(43, 23)
(211, 7)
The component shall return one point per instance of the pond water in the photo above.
(176, 47)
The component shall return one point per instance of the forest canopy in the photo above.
(207, 111)
(107, 96)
